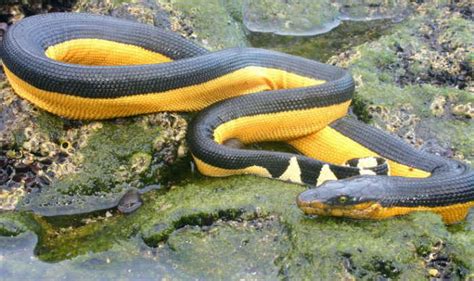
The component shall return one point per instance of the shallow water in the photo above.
(324, 46)
(307, 18)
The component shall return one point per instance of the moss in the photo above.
(406, 69)
(140, 162)
(97, 186)
(256, 222)
(227, 33)
(9, 227)
(458, 33)
(111, 147)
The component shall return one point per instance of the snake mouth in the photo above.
(364, 210)
(315, 207)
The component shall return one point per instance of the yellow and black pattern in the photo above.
(93, 67)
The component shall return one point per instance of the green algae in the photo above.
(223, 31)
(98, 186)
(250, 249)
(201, 228)
(458, 33)
(404, 68)
(10, 227)
(112, 146)
(140, 162)
(49, 124)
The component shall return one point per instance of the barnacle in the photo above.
(159, 142)
(122, 174)
(140, 162)
(48, 148)
(182, 150)
(66, 146)
(466, 110)
(14, 154)
(437, 106)
(10, 199)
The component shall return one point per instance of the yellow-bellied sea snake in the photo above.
(95, 67)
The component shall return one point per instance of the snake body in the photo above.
(84, 66)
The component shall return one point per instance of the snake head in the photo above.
(356, 197)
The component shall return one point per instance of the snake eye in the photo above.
(343, 199)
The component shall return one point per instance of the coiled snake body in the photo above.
(94, 67)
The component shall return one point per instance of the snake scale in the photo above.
(83, 66)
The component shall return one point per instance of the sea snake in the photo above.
(83, 66)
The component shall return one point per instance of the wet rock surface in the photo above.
(239, 227)
(12, 11)
(417, 82)
(120, 199)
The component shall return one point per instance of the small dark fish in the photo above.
(130, 202)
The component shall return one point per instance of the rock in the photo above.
(418, 75)
(12, 11)
(10, 228)
(253, 221)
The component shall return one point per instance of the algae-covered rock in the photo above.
(12, 11)
(216, 24)
(117, 157)
(417, 81)
(244, 227)
(10, 227)
(55, 166)
(190, 18)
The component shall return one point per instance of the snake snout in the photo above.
(305, 198)
(310, 203)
